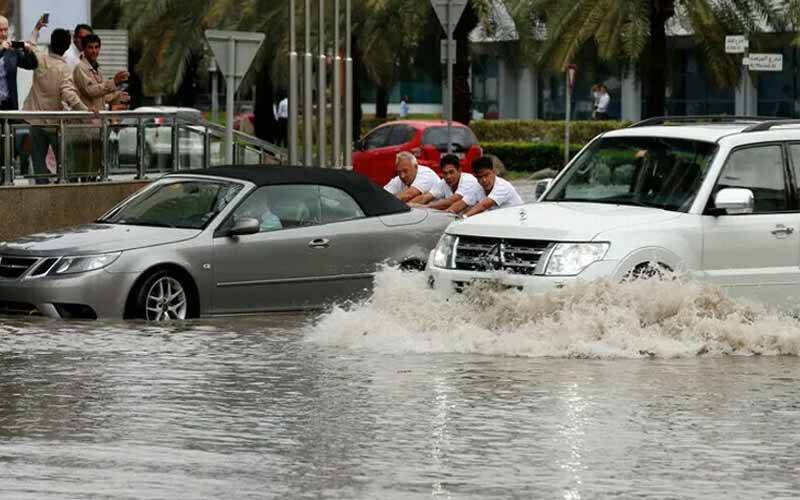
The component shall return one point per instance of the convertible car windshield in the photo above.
(178, 203)
(643, 171)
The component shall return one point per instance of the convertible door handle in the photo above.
(782, 231)
(320, 243)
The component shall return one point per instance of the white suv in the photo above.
(720, 200)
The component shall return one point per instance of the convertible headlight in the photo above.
(443, 254)
(72, 265)
(569, 259)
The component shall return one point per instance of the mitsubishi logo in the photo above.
(523, 215)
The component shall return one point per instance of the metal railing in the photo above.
(111, 145)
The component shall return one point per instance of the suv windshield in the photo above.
(184, 204)
(644, 171)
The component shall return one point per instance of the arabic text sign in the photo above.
(764, 62)
(736, 44)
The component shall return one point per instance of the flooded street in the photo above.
(585, 393)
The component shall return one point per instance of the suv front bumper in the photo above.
(455, 280)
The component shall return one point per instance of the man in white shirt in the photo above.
(499, 192)
(455, 192)
(73, 55)
(603, 100)
(412, 180)
(281, 111)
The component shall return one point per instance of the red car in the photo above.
(426, 139)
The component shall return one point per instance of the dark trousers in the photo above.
(283, 131)
(42, 138)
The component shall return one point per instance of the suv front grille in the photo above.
(494, 254)
(14, 267)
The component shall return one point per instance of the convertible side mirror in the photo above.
(734, 201)
(359, 145)
(244, 226)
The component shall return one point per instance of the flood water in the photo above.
(646, 390)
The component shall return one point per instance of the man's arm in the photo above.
(445, 203)
(422, 199)
(458, 207)
(409, 194)
(481, 206)
(69, 95)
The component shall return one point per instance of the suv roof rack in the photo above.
(660, 120)
(761, 127)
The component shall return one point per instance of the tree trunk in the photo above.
(655, 76)
(382, 102)
(462, 87)
(266, 127)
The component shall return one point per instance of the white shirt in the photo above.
(504, 194)
(603, 102)
(283, 109)
(471, 192)
(425, 180)
(72, 56)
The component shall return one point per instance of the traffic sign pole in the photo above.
(234, 52)
(449, 77)
(229, 95)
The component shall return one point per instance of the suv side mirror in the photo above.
(734, 201)
(540, 187)
(245, 225)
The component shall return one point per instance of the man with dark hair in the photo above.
(52, 86)
(455, 192)
(73, 55)
(95, 91)
(499, 192)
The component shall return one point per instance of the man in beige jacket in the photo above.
(52, 86)
(95, 91)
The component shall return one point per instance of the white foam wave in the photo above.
(597, 320)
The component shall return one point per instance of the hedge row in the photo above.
(521, 157)
(581, 132)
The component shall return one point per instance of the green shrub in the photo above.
(522, 157)
(581, 132)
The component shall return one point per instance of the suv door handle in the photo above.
(320, 243)
(782, 231)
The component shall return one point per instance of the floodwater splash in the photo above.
(645, 318)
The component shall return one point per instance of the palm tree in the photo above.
(635, 32)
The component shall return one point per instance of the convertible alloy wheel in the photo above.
(166, 300)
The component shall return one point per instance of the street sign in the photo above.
(737, 44)
(234, 52)
(443, 50)
(246, 46)
(456, 9)
(764, 62)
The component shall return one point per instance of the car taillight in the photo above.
(159, 121)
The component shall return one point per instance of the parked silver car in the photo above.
(226, 240)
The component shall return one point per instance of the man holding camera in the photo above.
(13, 55)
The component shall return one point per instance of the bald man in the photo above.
(10, 60)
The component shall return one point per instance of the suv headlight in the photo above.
(569, 259)
(443, 253)
(73, 265)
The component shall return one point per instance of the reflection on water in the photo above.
(373, 403)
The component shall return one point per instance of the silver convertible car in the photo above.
(227, 240)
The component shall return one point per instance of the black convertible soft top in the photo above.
(373, 199)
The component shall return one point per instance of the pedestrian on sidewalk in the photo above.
(603, 101)
(73, 55)
(53, 87)
(404, 107)
(96, 92)
(281, 112)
